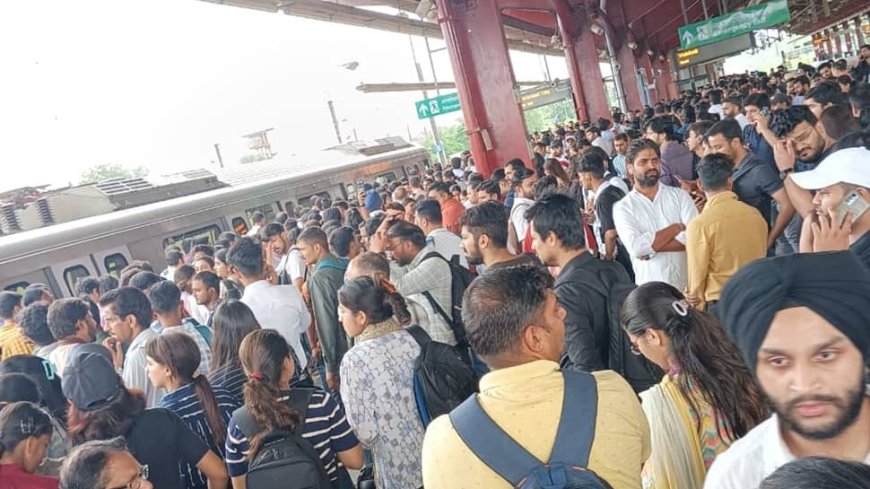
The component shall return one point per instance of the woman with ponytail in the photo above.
(708, 398)
(378, 381)
(172, 365)
(25, 430)
(270, 367)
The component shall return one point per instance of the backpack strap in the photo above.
(490, 443)
(507, 458)
(419, 334)
(299, 400)
(577, 422)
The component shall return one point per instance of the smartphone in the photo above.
(853, 204)
(765, 111)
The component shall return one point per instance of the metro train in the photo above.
(60, 255)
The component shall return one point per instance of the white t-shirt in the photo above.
(447, 244)
(752, 459)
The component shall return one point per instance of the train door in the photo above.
(112, 261)
(69, 272)
(240, 222)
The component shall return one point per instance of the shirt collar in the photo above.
(775, 451)
(141, 338)
(417, 259)
(719, 198)
(520, 374)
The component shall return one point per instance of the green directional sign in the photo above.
(734, 24)
(430, 107)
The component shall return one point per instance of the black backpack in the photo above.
(639, 372)
(285, 460)
(569, 459)
(442, 378)
(460, 279)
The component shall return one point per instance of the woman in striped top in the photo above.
(172, 365)
(232, 321)
(266, 358)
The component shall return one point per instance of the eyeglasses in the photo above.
(635, 350)
(138, 482)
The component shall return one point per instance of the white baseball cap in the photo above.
(850, 165)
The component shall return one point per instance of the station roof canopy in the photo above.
(530, 24)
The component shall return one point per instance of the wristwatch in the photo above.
(783, 174)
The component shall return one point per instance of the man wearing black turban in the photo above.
(802, 322)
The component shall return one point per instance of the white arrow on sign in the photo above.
(688, 38)
(423, 110)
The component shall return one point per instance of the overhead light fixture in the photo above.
(632, 44)
(596, 27)
(555, 41)
(661, 57)
(650, 53)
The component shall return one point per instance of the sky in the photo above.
(158, 83)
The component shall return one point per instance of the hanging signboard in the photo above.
(734, 24)
(710, 52)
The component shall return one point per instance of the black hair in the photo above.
(523, 174)
(208, 250)
(839, 121)
(818, 473)
(561, 215)
(20, 421)
(340, 240)
(257, 216)
(126, 301)
(246, 256)
(701, 127)
(760, 100)
(429, 209)
(173, 255)
(714, 170)
(545, 186)
(64, 314)
(728, 128)
(331, 214)
(705, 353)
(783, 122)
(715, 96)
(33, 321)
(84, 467)
(373, 223)
(376, 300)
(87, 285)
(664, 124)
(232, 321)
(41, 372)
(272, 229)
(735, 100)
(209, 279)
(144, 280)
(406, 231)
(857, 139)
(592, 162)
(16, 387)
(487, 218)
(9, 301)
(828, 93)
(184, 275)
(499, 304)
(440, 187)
(639, 145)
(516, 163)
(491, 187)
(107, 283)
(497, 174)
(33, 293)
(314, 235)
(164, 296)
(859, 98)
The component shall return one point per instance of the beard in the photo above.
(648, 179)
(848, 407)
(473, 257)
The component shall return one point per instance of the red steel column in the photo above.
(848, 35)
(859, 34)
(485, 82)
(628, 74)
(581, 55)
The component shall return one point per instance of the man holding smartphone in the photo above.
(842, 219)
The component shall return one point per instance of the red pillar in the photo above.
(628, 75)
(581, 55)
(485, 82)
(859, 34)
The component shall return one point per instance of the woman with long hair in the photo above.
(102, 408)
(173, 360)
(25, 430)
(378, 382)
(232, 321)
(270, 401)
(553, 167)
(708, 398)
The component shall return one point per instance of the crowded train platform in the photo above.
(676, 297)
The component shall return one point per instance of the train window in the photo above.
(306, 201)
(207, 234)
(386, 177)
(17, 287)
(114, 263)
(240, 226)
(72, 275)
(266, 209)
(289, 207)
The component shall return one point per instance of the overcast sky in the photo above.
(157, 83)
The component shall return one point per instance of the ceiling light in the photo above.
(650, 52)
(632, 44)
(596, 27)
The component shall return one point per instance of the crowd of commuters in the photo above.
(673, 298)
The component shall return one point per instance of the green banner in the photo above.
(430, 107)
(734, 24)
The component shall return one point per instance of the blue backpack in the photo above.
(567, 467)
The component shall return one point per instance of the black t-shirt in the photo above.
(861, 249)
(160, 439)
(604, 203)
(755, 182)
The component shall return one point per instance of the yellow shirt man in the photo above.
(526, 402)
(727, 235)
(13, 342)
